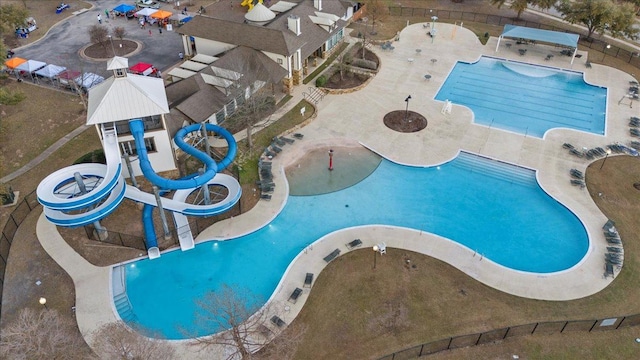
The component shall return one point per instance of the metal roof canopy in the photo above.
(548, 36)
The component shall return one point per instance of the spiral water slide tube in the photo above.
(187, 185)
(82, 194)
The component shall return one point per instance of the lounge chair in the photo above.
(608, 270)
(308, 280)
(295, 295)
(278, 141)
(275, 319)
(613, 249)
(614, 241)
(568, 146)
(635, 145)
(608, 225)
(634, 132)
(332, 255)
(269, 154)
(265, 197)
(522, 51)
(576, 153)
(577, 182)
(576, 174)
(354, 244)
(275, 148)
(287, 140)
(265, 331)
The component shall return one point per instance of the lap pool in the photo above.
(524, 98)
(493, 208)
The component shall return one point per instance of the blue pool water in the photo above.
(488, 206)
(525, 98)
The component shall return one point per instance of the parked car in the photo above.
(148, 4)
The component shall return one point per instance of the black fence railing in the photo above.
(549, 327)
(609, 49)
(17, 216)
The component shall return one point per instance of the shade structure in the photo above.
(50, 71)
(123, 8)
(142, 68)
(161, 14)
(31, 66)
(14, 62)
(146, 12)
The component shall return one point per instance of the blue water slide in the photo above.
(150, 238)
(211, 167)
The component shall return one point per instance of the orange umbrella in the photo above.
(14, 62)
(161, 14)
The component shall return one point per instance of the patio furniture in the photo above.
(332, 255)
(295, 295)
(275, 319)
(308, 280)
(427, 77)
(354, 244)
(522, 51)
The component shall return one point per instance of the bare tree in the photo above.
(364, 42)
(343, 63)
(117, 341)
(376, 10)
(285, 345)
(43, 334)
(239, 312)
(119, 32)
(98, 34)
(252, 110)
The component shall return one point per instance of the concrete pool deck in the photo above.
(356, 119)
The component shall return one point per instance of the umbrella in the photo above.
(146, 12)
(123, 8)
(14, 62)
(31, 66)
(50, 71)
(161, 14)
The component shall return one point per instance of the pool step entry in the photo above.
(124, 307)
(496, 169)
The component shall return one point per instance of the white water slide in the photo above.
(82, 194)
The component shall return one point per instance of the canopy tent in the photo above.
(161, 14)
(124, 8)
(14, 62)
(548, 36)
(66, 77)
(142, 68)
(31, 66)
(146, 12)
(50, 71)
(88, 80)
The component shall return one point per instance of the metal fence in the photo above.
(529, 20)
(17, 216)
(546, 328)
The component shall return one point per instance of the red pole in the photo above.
(330, 159)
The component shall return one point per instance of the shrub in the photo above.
(365, 64)
(119, 32)
(321, 81)
(8, 97)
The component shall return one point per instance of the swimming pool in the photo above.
(489, 206)
(524, 98)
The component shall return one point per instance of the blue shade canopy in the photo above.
(123, 8)
(548, 36)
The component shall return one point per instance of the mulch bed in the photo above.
(348, 81)
(405, 121)
(105, 51)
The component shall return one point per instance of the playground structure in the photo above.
(250, 3)
(84, 194)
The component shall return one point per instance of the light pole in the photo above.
(604, 52)
(43, 302)
(406, 111)
(605, 158)
(112, 48)
(375, 250)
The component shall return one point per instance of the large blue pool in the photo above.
(525, 98)
(490, 207)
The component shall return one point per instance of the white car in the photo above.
(148, 4)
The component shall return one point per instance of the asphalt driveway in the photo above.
(62, 45)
